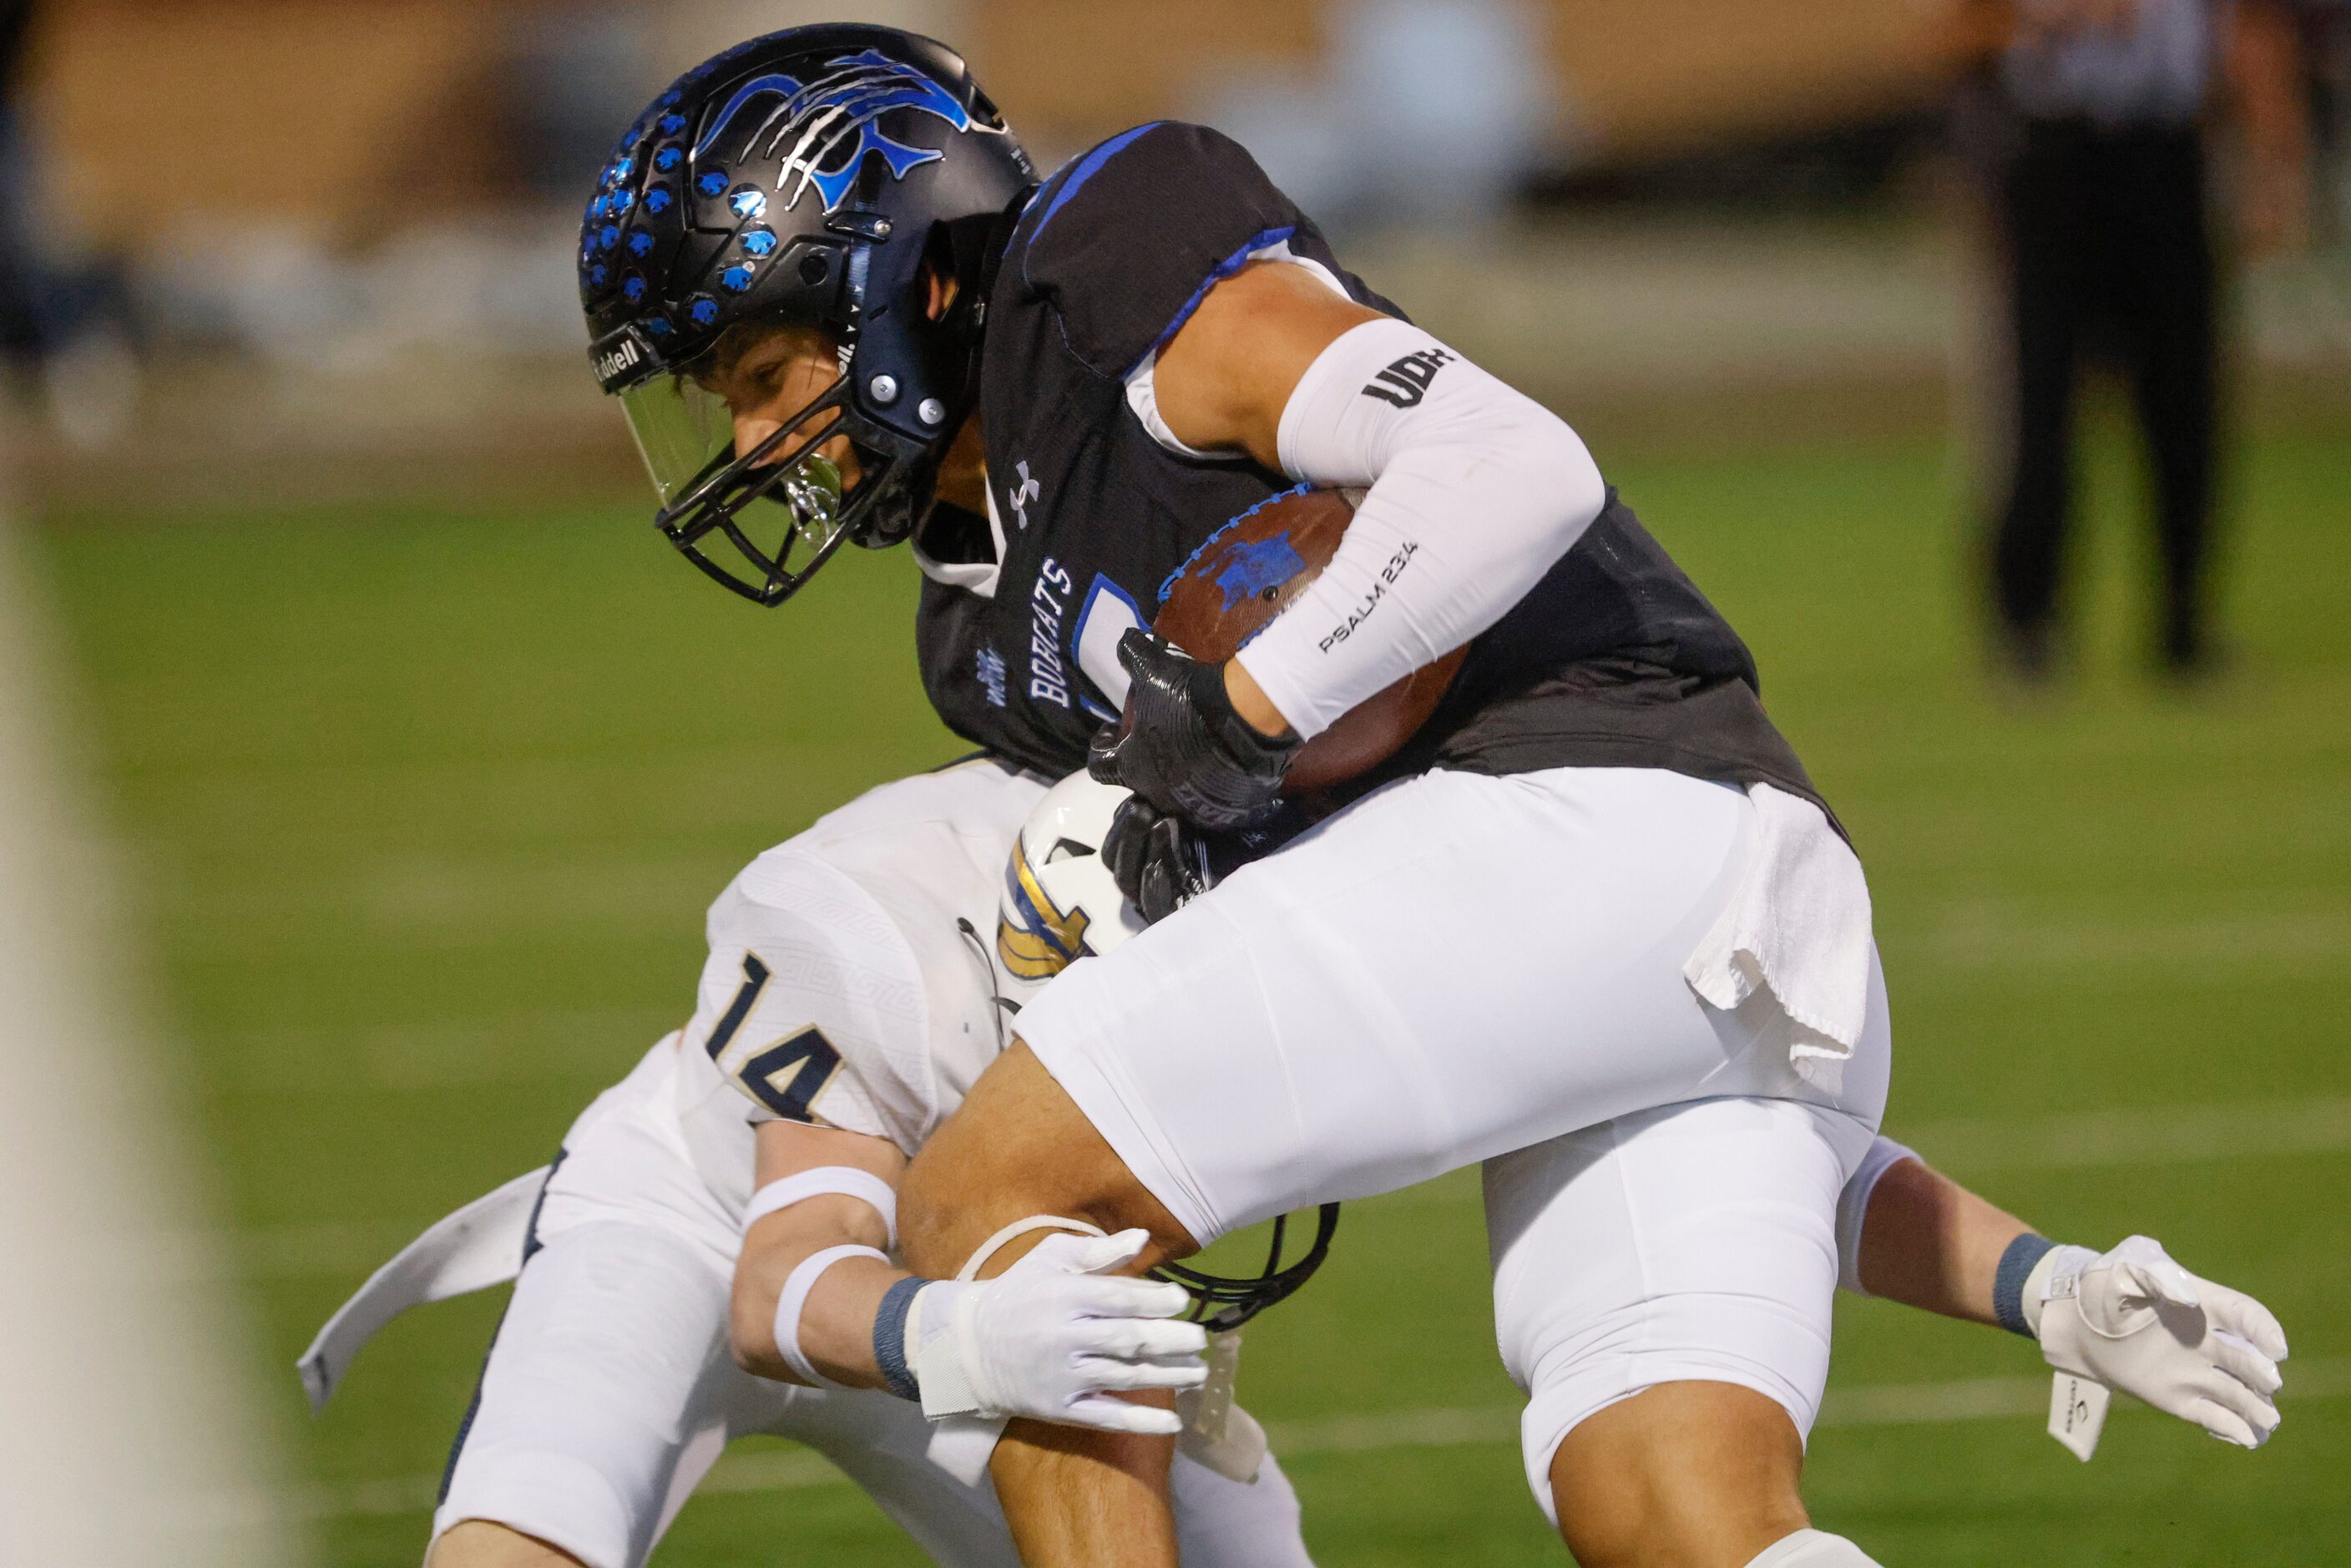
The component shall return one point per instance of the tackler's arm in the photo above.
(819, 1299)
(2128, 1319)
(817, 1239)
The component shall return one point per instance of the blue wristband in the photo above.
(890, 1337)
(2008, 1281)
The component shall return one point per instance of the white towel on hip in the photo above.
(1798, 928)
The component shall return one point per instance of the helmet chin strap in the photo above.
(962, 474)
(879, 511)
(966, 319)
(1015, 1231)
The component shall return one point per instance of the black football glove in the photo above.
(1157, 862)
(1180, 744)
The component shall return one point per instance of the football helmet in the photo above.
(802, 179)
(1060, 903)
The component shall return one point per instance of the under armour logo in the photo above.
(1405, 383)
(1028, 491)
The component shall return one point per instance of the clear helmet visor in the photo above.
(679, 428)
(779, 508)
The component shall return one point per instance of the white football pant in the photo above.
(1454, 967)
(1462, 968)
(1695, 1242)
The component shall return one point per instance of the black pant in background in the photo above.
(20, 313)
(2108, 255)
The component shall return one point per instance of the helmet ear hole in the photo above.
(941, 279)
(1068, 850)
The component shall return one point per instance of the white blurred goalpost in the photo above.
(128, 1433)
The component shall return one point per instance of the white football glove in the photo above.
(2133, 1318)
(1052, 1338)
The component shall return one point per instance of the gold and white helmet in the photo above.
(1059, 901)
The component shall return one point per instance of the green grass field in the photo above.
(423, 805)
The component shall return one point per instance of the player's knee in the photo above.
(948, 1195)
(948, 1206)
(482, 1544)
(1683, 1474)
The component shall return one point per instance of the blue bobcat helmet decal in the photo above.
(816, 179)
(811, 124)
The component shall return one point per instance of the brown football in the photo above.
(1245, 575)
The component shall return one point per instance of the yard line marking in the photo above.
(1879, 1405)
(1373, 1431)
(1986, 940)
(770, 1469)
(441, 1054)
(1984, 1398)
(1873, 1404)
(371, 1500)
(2145, 1135)
(2084, 1140)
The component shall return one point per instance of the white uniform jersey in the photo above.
(840, 989)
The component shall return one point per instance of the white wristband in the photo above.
(847, 1181)
(797, 1287)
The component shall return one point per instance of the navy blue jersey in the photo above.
(1613, 659)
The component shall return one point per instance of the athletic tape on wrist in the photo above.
(2008, 1282)
(797, 1286)
(846, 1181)
(890, 1338)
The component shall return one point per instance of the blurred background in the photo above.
(419, 756)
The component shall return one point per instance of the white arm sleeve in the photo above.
(1476, 491)
(1853, 1207)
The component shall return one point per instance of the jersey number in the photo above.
(1108, 615)
(788, 1076)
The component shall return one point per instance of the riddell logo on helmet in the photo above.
(618, 360)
